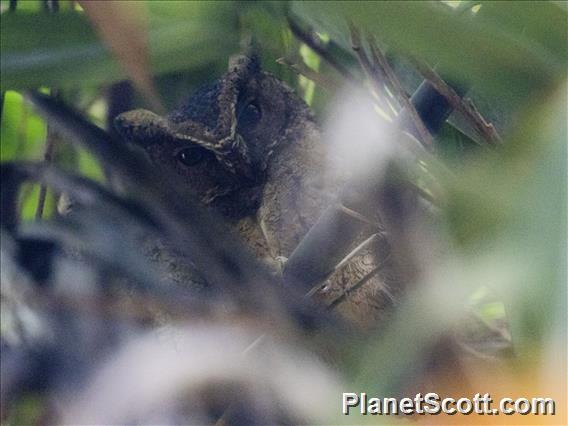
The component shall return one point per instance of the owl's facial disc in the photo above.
(208, 119)
(221, 139)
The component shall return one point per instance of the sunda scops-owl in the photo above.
(249, 148)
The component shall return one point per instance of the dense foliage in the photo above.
(499, 236)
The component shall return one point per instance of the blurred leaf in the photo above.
(35, 51)
(452, 144)
(26, 412)
(492, 311)
(123, 27)
(24, 5)
(89, 166)
(468, 48)
(48, 56)
(22, 131)
(535, 21)
(507, 229)
(508, 213)
(503, 227)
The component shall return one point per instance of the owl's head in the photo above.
(221, 140)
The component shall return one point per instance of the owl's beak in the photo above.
(239, 160)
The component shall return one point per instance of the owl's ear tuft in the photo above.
(141, 127)
(244, 65)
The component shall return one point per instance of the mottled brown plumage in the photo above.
(250, 149)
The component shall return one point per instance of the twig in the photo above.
(382, 66)
(485, 128)
(380, 62)
(50, 6)
(375, 80)
(51, 141)
(361, 56)
(357, 285)
(343, 262)
(356, 250)
(376, 75)
(318, 78)
(464, 106)
(313, 42)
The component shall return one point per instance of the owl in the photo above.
(249, 149)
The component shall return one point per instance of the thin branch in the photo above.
(356, 250)
(380, 62)
(377, 81)
(361, 56)
(321, 80)
(375, 75)
(41, 202)
(342, 263)
(346, 292)
(51, 142)
(51, 6)
(484, 127)
(310, 39)
(381, 66)
(464, 106)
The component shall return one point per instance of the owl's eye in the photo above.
(250, 115)
(191, 156)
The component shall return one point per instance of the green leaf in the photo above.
(460, 45)
(60, 50)
(540, 22)
(452, 144)
(89, 166)
(22, 131)
(508, 214)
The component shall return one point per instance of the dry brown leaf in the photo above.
(123, 27)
